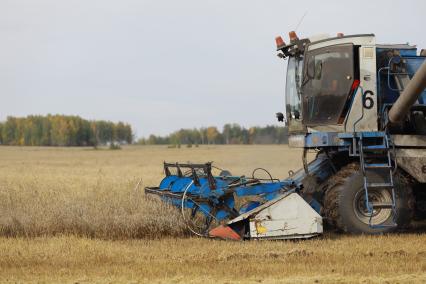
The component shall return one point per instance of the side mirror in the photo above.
(296, 114)
(310, 68)
(280, 116)
(318, 70)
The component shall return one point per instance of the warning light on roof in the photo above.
(280, 42)
(293, 36)
(340, 34)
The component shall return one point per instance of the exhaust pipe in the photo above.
(409, 96)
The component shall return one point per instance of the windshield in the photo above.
(292, 92)
(331, 74)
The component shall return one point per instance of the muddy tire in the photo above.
(344, 202)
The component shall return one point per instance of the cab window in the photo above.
(328, 78)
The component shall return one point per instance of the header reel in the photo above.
(207, 201)
(226, 206)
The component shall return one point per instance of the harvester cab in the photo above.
(362, 107)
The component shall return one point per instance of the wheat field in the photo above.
(75, 215)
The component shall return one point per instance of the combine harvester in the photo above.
(362, 107)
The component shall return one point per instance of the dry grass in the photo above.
(52, 193)
(107, 232)
(192, 260)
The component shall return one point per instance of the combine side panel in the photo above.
(290, 217)
(286, 217)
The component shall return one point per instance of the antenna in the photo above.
(301, 20)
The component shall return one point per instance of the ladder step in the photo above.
(391, 225)
(379, 184)
(377, 166)
(381, 205)
(375, 155)
(375, 147)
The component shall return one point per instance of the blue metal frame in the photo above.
(211, 201)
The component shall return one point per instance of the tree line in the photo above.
(62, 130)
(230, 134)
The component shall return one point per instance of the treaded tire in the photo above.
(345, 186)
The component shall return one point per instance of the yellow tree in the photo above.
(212, 134)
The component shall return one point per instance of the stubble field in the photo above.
(74, 215)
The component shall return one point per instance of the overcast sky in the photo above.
(165, 65)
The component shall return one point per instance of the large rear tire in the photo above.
(344, 202)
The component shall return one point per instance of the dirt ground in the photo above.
(74, 215)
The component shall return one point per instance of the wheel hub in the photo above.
(378, 216)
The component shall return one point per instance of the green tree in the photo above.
(61, 130)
